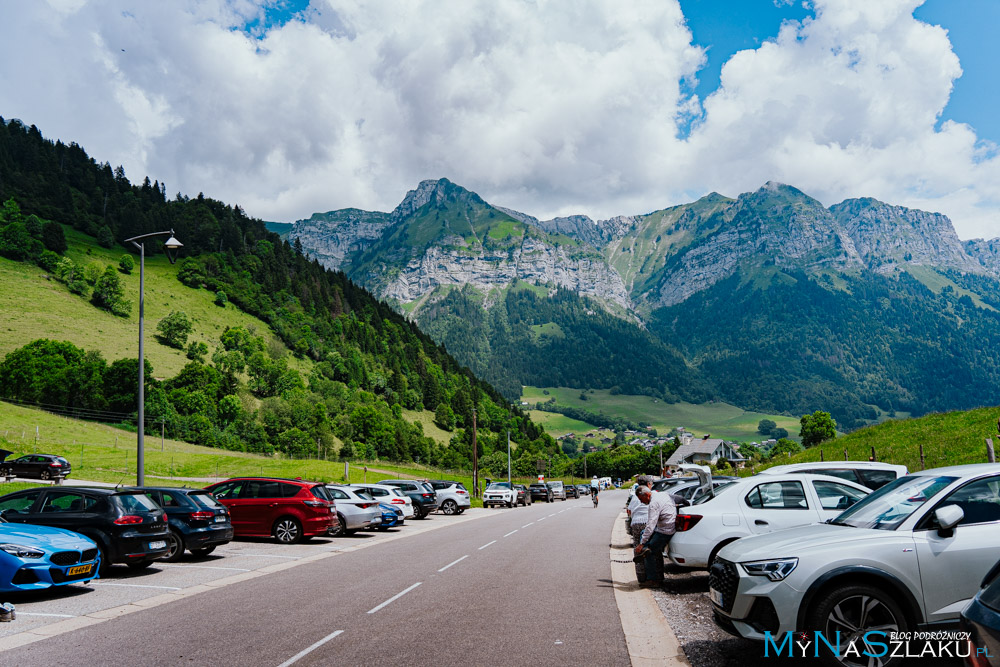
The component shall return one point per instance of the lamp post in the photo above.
(172, 246)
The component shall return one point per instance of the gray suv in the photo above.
(452, 497)
(910, 555)
(558, 490)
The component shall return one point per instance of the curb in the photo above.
(650, 639)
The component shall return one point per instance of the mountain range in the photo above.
(771, 300)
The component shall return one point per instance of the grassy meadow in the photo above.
(33, 306)
(721, 420)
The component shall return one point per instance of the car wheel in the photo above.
(509, 503)
(102, 571)
(45, 473)
(141, 565)
(204, 551)
(854, 611)
(287, 530)
(176, 545)
(449, 507)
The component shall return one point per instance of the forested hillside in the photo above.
(365, 363)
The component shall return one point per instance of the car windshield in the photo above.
(364, 495)
(204, 499)
(705, 496)
(891, 505)
(495, 486)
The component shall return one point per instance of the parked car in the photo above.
(981, 619)
(285, 509)
(389, 495)
(422, 494)
(500, 493)
(34, 466)
(540, 491)
(125, 524)
(198, 522)
(523, 495)
(453, 497)
(571, 491)
(911, 554)
(753, 506)
(687, 491)
(667, 483)
(558, 490)
(356, 510)
(37, 557)
(392, 517)
(583, 489)
(872, 474)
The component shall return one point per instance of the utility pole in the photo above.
(585, 466)
(475, 457)
(163, 426)
(508, 446)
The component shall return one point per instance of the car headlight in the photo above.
(22, 551)
(775, 570)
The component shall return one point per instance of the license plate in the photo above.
(159, 544)
(79, 569)
(715, 596)
(218, 519)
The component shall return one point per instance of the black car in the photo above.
(982, 619)
(34, 466)
(127, 526)
(540, 491)
(422, 494)
(571, 491)
(523, 495)
(198, 522)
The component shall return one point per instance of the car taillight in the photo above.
(459, 492)
(311, 503)
(59, 465)
(686, 522)
(395, 501)
(425, 495)
(204, 516)
(128, 519)
(363, 506)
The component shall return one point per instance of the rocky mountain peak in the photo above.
(436, 190)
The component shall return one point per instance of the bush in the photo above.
(92, 272)
(221, 299)
(174, 329)
(196, 351)
(53, 237)
(105, 238)
(126, 264)
(110, 295)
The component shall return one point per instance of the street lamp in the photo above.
(172, 246)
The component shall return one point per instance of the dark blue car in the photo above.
(391, 517)
(198, 522)
(982, 619)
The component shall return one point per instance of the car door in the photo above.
(953, 565)
(835, 497)
(228, 493)
(776, 505)
(68, 509)
(17, 507)
(22, 466)
(262, 503)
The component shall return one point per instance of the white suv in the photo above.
(500, 493)
(909, 555)
(873, 474)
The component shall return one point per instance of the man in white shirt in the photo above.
(638, 512)
(662, 514)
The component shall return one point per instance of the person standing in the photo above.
(662, 515)
(638, 511)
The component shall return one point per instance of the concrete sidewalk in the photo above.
(650, 639)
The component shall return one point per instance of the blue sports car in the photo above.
(391, 517)
(35, 557)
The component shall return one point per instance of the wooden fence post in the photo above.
(921, 456)
(990, 455)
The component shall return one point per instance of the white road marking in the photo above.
(30, 613)
(394, 598)
(240, 553)
(553, 514)
(486, 545)
(203, 567)
(507, 535)
(542, 519)
(165, 588)
(305, 652)
(446, 566)
(524, 526)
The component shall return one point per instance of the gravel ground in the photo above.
(685, 604)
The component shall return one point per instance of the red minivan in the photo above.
(285, 509)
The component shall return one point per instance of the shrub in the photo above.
(126, 264)
(174, 329)
(221, 298)
(110, 295)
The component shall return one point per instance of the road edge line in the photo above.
(649, 638)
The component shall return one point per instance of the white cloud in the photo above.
(548, 107)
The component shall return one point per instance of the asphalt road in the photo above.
(529, 584)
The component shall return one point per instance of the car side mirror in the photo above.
(947, 518)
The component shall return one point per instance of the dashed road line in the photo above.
(524, 526)
(301, 654)
(202, 567)
(240, 553)
(507, 535)
(454, 562)
(394, 598)
(542, 519)
(31, 613)
(486, 545)
(164, 588)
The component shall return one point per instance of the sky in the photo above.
(596, 107)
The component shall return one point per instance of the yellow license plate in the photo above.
(79, 569)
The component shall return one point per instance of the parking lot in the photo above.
(124, 591)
